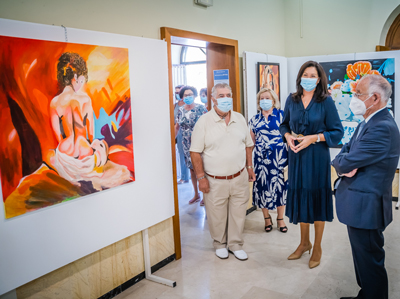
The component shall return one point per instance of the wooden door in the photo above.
(223, 55)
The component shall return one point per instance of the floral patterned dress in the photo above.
(270, 157)
(186, 120)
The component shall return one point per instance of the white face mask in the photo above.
(358, 107)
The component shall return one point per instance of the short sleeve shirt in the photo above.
(223, 147)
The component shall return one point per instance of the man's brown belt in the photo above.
(226, 177)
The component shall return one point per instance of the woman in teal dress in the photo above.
(310, 126)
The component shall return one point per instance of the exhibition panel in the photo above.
(31, 243)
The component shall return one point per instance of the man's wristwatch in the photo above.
(200, 178)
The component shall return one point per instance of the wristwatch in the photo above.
(319, 139)
(249, 166)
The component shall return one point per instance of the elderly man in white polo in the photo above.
(221, 153)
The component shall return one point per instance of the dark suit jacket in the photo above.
(365, 200)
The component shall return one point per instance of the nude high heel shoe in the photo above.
(313, 264)
(295, 256)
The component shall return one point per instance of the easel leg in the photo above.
(398, 196)
(147, 265)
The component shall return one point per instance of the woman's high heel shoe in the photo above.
(295, 256)
(282, 229)
(268, 228)
(313, 264)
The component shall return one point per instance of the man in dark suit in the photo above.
(366, 167)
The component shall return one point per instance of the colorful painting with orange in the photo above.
(66, 122)
(268, 77)
(343, 77)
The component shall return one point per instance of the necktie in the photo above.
(362, 124)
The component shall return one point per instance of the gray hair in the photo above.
(219, 85)
(378, 84)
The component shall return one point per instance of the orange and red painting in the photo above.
(66, 127)
(269, 77)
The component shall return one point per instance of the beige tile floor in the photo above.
(267, 273)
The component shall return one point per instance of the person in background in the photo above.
(270, 158)
(221, 152)
(186, 118)
(178, 135)
(366, 166)
(310, 126)
(203, 96)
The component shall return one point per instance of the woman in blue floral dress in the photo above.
(270, 158)
(186, 118)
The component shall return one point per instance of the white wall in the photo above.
(257, 24)
(335, 27)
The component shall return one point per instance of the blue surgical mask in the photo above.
(225, 104)
(188, 100)
(308, 83)
(177, 96)
(203, 100)
(266, 104)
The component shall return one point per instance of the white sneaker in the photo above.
(222, 253)
(240, 254)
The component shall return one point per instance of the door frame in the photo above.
(166, 35)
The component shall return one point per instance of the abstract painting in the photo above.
(66, 122)
(343, 77)
(268, 77)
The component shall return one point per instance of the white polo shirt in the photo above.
(223, 147)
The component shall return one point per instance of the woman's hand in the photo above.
(290, 141)
(305, 141)
(204, 185)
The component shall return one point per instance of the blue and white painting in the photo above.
(343, 77)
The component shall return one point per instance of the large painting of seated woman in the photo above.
(66, 122)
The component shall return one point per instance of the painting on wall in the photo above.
(268, 77)
(66, 122)
(343, 77)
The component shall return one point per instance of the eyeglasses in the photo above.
(188, 95)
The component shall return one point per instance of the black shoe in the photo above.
(348, 297)
(268, 228)
(283, 229)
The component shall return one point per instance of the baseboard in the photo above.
(253, 208)
(118, 290)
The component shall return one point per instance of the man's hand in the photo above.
(204, 185)
(252, 175)
(351, 173)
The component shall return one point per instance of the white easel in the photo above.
(398, 196)
(147, 265)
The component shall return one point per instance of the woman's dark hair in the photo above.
(321, 91)
(68, 65)
(179, 86)
(203, 90)
(184, 88)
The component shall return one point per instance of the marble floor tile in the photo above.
(200, 274)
